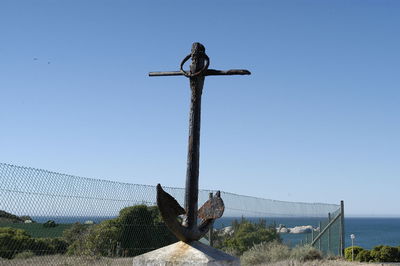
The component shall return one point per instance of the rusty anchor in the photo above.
(187, 229)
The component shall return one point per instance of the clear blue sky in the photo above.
(317, 121)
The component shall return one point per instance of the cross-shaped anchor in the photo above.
(188, 230)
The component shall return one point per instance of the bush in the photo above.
(75, 232)
(375, 253)
(247, 234)
(364, 256)
(142, 230)
(275, 251)
(13, 241)
(265, 252)
(385, 254)
(49, 224)
(305, 253)
(137, 229)
(348, 252)
(102, 238)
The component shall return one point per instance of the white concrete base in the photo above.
(183, 254)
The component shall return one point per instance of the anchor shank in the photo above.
(192, 173)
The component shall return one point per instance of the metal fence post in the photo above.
(342, 244)
(210, 233)
(319, 241)
(312, 235)
(329, 233)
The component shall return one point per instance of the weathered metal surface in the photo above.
(168, 203)
(213, 208)
(208, 72)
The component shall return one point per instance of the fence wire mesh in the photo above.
(49, 218)
(326, 237)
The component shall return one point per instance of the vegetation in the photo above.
(6, 217)
(377, 254)
(14, 241)
(38, 230)
(137, 229)
(348, 252)
(270, 252)
(50, 223)
(74, 233)
(245, 235)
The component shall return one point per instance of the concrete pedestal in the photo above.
(186, 254)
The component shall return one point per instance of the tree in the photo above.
(142, 230)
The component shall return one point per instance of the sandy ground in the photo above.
(57, 260)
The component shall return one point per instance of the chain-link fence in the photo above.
(328, 236)
(55, 218)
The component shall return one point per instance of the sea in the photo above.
(369, 231)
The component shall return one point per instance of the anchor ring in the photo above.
(198, 73)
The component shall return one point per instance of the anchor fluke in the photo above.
(212, 208)
(170, 210)
(168, 203)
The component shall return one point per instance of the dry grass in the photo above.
(60, 260)
(317, 263)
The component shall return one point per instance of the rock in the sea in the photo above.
(282, 229)
(304, 229)
(226, 230)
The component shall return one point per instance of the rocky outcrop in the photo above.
(302, 229)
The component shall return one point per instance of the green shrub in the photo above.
(13, 241)
(265, 252)
(348, 252)
(305, 253)
(137, 229)
(102, 238)
(50, 223)
(247, 234)
(376, 253)
(385, 254)
(75, 232)
(364, 256)
(142, 230)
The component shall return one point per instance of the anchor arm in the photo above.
(208, 72)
